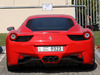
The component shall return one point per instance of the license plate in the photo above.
(50, 48)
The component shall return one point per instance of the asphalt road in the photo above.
(64, 70)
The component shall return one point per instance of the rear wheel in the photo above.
(88, 66)
(10, 68)
(91, 66)
(13, 68)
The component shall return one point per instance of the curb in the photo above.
(2, 49)
(97, 56)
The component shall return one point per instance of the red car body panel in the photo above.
(41, 38)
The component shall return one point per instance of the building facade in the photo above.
(15, 17)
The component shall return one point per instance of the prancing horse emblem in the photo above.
(50, 38)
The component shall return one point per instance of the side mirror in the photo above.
(90, 27)
(10, 28)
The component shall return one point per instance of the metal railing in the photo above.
(25, 7)
(93, 12)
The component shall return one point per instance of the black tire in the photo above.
(88, 66)
(12, 68)
(91, 66)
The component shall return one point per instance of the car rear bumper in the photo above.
(86, 48)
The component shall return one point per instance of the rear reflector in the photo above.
(21, 56)
(79, 55)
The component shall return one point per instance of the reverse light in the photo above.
(13, 36)
(87, 35)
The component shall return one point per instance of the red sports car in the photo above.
(49, 39)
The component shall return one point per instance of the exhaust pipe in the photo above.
(50, 58)
(56, 58)
(45, 59)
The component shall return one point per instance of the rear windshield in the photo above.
(45, 24)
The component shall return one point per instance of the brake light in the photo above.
(13, 36)
(87, 35)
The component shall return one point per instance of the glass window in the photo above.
(51, 23)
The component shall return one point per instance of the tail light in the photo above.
(13, 36)
(87, 35)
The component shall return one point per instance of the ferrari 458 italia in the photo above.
(49, 39)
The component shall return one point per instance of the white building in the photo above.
(15, 17)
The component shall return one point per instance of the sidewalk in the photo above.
(2, 50)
